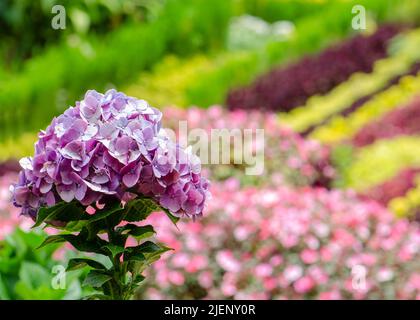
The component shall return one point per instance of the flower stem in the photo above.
(118, 289)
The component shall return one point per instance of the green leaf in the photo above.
(138, 232)
(139, 278)
(33, 275)
(107, 211)
(132, 255)
(49, 213)
(78, 263)
(173, 218)
(74, 290)
(56, 239)
(139, 209)
(74, 226)
(154, 256)
(97, 296)
(62, 211)
(96, 279)
(4, 293)
(135, 267)
(148, 246)
(147, 251)
(80, 242)
(44, 292)
(95, 228)
(104, 219)
(113, 249)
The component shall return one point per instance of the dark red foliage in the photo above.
(286, 88)
(402, 121)
(9, 166)
(395, 187)
(323, 166)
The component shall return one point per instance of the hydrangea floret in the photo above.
(98, 170)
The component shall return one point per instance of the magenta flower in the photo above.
(109, 145)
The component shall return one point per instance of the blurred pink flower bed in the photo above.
(289, 159)
(9, 215)
(281, 235)
(280, 243)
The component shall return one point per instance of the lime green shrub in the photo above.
(49, 82)
(379, 162)
(409, 204)
(341, 128)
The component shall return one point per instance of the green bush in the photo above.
(313, 32)
(274, 10)
(103, 16)
(83, 16)
(52, 81)
(27, 272)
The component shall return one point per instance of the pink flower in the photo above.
(368, 259)
(154, 294)
(228, 289)
(309, 256)
(326, 254)
(343, 237)
(330, 295)
(304, 284)
(205, 279)
(405, 254)
(270, 283)
(318, 274)
(276, 260)
(197, 263)
(177, 278)
(292, 273)
(242, 232)
(414, 282)
(180, 260)
(384, 274)
(90, 210)
(227, 261)
(263, 270)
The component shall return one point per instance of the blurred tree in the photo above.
(25, 25)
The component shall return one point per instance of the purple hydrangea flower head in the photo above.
(110, 145)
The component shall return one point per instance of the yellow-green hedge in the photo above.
(18, 147)
(167, 82)
(406, 206)
(342, 128)
(381, 161)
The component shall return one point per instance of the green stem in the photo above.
(111, 290)
(117, 286)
